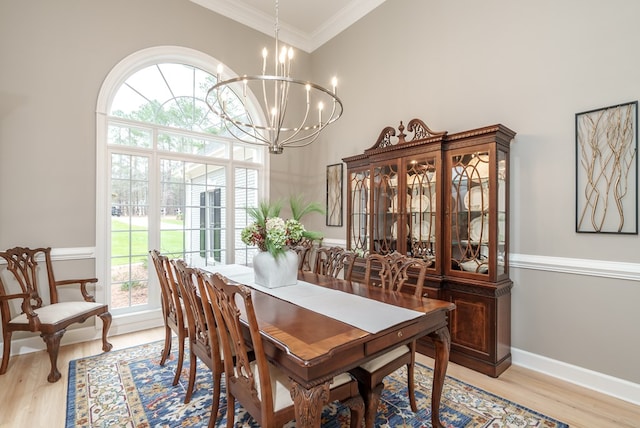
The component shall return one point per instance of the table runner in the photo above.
(366, 314)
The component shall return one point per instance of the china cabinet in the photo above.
(443, 198)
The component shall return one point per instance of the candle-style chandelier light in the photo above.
(287, 125)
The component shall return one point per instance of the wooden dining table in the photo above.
(312, 347)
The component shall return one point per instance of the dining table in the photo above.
(323, 326)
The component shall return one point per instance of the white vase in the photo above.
(274, 272)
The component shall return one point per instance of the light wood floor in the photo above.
(28, 400)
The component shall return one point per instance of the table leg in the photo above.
(442, 340)
(309, 403)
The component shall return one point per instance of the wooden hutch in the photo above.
(444, 198)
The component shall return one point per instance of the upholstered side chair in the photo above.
(394, 273)
(25, 306)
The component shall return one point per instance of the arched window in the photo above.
(169, 176)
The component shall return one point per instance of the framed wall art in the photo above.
(334, 195)
(607, 170)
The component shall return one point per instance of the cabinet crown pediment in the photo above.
(419, 129)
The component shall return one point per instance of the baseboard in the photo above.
(602, 383)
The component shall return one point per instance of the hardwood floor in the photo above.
(28, 400)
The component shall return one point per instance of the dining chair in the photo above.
(172, 310)
(25, 306)
(261, 388)
(333, 261)
(311, 245)
(203, 277)
(303, 255)
(202, 344)
(394, 271)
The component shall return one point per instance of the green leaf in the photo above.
(264, 210)
(300, 208)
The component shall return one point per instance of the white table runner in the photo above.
(366, 314)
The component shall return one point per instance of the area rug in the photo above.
(128, 388)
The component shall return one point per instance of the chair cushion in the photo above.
(384, 359)
(57, 312)
(280, 385)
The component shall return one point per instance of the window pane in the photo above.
(120, 244)
(247, 153)
(129, 230)
(124, 135)
(171, 170)
(121, 166)
(173, 95)
(171, 241)
(246, 195)
(192, 145)
(198, 200)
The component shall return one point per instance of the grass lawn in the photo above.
(135, 242)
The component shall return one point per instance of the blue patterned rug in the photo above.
(128, 388)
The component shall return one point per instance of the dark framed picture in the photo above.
(334, 195)
(607, 170)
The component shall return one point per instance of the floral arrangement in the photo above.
(269, 232)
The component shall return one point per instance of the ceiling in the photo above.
(305, 24)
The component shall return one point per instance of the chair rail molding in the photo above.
(332, 242)
(73, 253)
(589, 267)
(568, 265)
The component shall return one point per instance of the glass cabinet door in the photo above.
(360, 213)
(469, 218)
(422, 207)
(503, 205)
(389, 229)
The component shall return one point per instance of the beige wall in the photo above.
(463, 64)
(54, 57)
(456, 64)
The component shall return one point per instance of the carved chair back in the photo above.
(201, 344)
(22, 263)
(213, 331)
(311, 245)
(196, 322)
(303, 255)
(333, 261)
(394, 272)
(36, 308)
(249, 383)
(172, 309)
(170, 295)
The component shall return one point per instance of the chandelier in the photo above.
(299, 124)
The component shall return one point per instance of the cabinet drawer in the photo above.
(392, 338)
(431, 293)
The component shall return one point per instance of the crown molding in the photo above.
(343, 19)
(307, 41)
